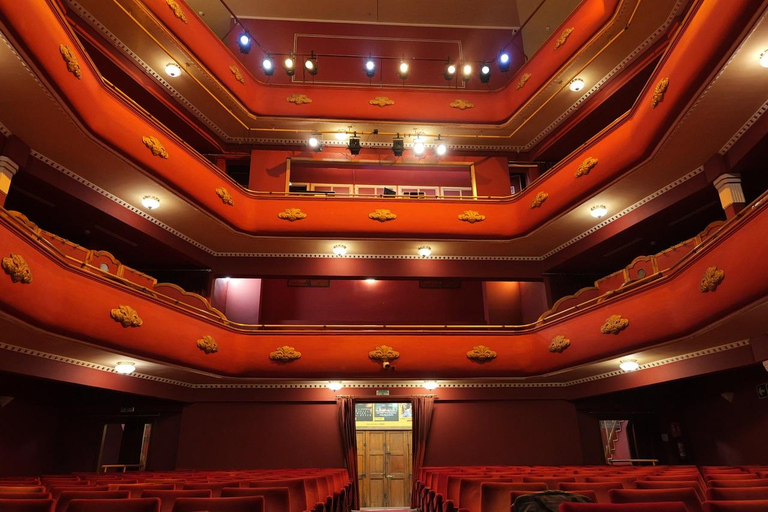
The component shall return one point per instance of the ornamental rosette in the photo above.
(208, 345)
(481, 354)
(559, 344)
(16, 267)
(285, 354)
(384, 354)
(126, 316)
(614, 324)
(711, 279)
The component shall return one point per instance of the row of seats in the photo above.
(318, 490)
(494, 489)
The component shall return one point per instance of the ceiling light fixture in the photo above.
(370, 280)
(268, 65)
(125, 367)
(450, 70)
(370, 67)
(431, 385)
(315, 142)
(764, 59)
(339, 250)
(403, 69)
(334, 385)
(485, 73)
(441, 149)
(504, 62)
(289, 64)
(398, 145)
(466, 72)
(342, 135)
(150, 202)
(629, 365)
(244, 41)
(425, 251)
(576, 84)
(598, 211)
(172, 69)
(311, 64)
(418, 147)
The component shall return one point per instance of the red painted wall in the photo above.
(238, 299)
(28, 434)
(259, 435)
(454, 177)
(504, 432)
(502, 302)
(380, 302)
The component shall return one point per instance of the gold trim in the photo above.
(710, 281)
(614, 324)
(658, 93)
(523, 80)
(292, 214)
(127, 316)
(177, 10)
(539, 199)
(481, 354)
(16, 266)
(298, 99)
(224, 196)
(238, 75)
(208, 345)
(381, 101)
(471, 216)
(384, 354)
(461, 104)
(71, 59)
(155, 146)
(285, 354)
(382, 215)
(587, 165)
(559, 344)
(563, 37)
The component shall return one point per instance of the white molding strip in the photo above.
(752, 120)
(377, 384)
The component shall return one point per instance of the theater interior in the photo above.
(335, 255)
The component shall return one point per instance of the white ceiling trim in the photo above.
(752, 120)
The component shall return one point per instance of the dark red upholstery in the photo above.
(21, 488)
(56, 491)
(600, 488)
(737, 493)
(736, 506)
(494, 497)
(622, 507)
(126, 505)
(168, 497)
(136, 489)
(26, 505)
(299, 499)
(758, 482)
(687, 496)
(730, 476)
(628, 481)
(215, 487)
(276, 499)
(26, 496)
(243, 504)
(552, 481)
(692, 484)
(65, 497)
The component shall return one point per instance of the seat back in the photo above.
(469, 491)
(643, 484)
(10, 505)
(737, 493)
(240, 504)
(736, 506)
(126, 505)
(495, 497)
(623, 507)
(276, 499)
(687, 496)
(600, 488)
(214, 487)
(551, 481)
(26, 496)
(168, 497)
(4, 489)
(57, 491)
(758, 482)
(67, 496)
(136, 489)
(299, 499)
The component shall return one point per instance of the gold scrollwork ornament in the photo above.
(523, 80)
(711, 279)
(461, 104)
(298, 99)
(658, 93)
(587, 165)
(224, 196)
(16, 267)
(559, 344)
(71, 59)
(381, 101)
(471, 216)
(126, 316)
(481, 354)
(384, 354)
(208, 345)
(292, 214)
(614, 324)
(382, 215)
(539, 199)
(155, 146)
(285, 354)
(177, 10)
(563, 37)
(236, 72)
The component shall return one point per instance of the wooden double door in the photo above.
(384, 463)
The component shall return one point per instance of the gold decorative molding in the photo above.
(539, 199)
(523, 80)
(238, 75)
(384, 354)
(461, 104)
(559, 344)
(292, 214)
(709, 283)
(208, 345)
(155, 146)
(382, 215)
(481, 354)
(586, 166)
(127, 316)
(224, 196)
(658, 93)
(177, 11)
(381, 101)
(71, 59)
(16, 267)
(285, 354)
(471, 216)
(563, 37)
(614, 324)
(298, 99)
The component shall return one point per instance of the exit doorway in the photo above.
(384, 454)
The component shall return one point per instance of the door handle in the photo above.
(390, 476)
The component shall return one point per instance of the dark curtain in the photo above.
(346, 407)
(422, 420)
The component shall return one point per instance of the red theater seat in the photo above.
(600, 488)
(21, 488)
(628, 481)
(622, 507)
(730, 476)
(26, 496)
(687, 496)
(643, 484)
(760, 482)
(56, 491)
(136, 489)
(551, 481)
(168, 498)
(300, 500)
(736, 506)
(214, 487)
(737, 493)
(126, 505)
(495, 497)
(244, 504)
(276, 499)
(67, 496)
(26, 505)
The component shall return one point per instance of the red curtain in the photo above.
(422, 421)
(346, 407)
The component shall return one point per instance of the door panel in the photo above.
(384, 467)
(377, 468)
(362, 467)
(397, 467)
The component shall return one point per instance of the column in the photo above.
(8, 169)
(731, 195)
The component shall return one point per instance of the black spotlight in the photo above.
(268, 65)
(311, 64)
(485, 73)
(398, 146)
(354, 144)
(504, 61)
(403, 69)
(370, 67)
(289, 64)
(450, 70)
(245, 42)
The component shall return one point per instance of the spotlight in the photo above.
(629, 365)
(425, 251)
(764, 59)
(354, 145)
(289, 65)
(334, 385)
(441, 149)
(125, 367)
(339, 250)
(370, 280)
(431, 385)
(450, 71)
(311, 64)
(466, 72)
(268, 65)
(402, 70)
(576, 84)
(418, 147)
(398, 146)
(598, 211)
(485, 73)
(245, 42)
(342, 135)
(150, 202)
(370, 67)
(504, 62)
(172, 69)
(315, 143)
